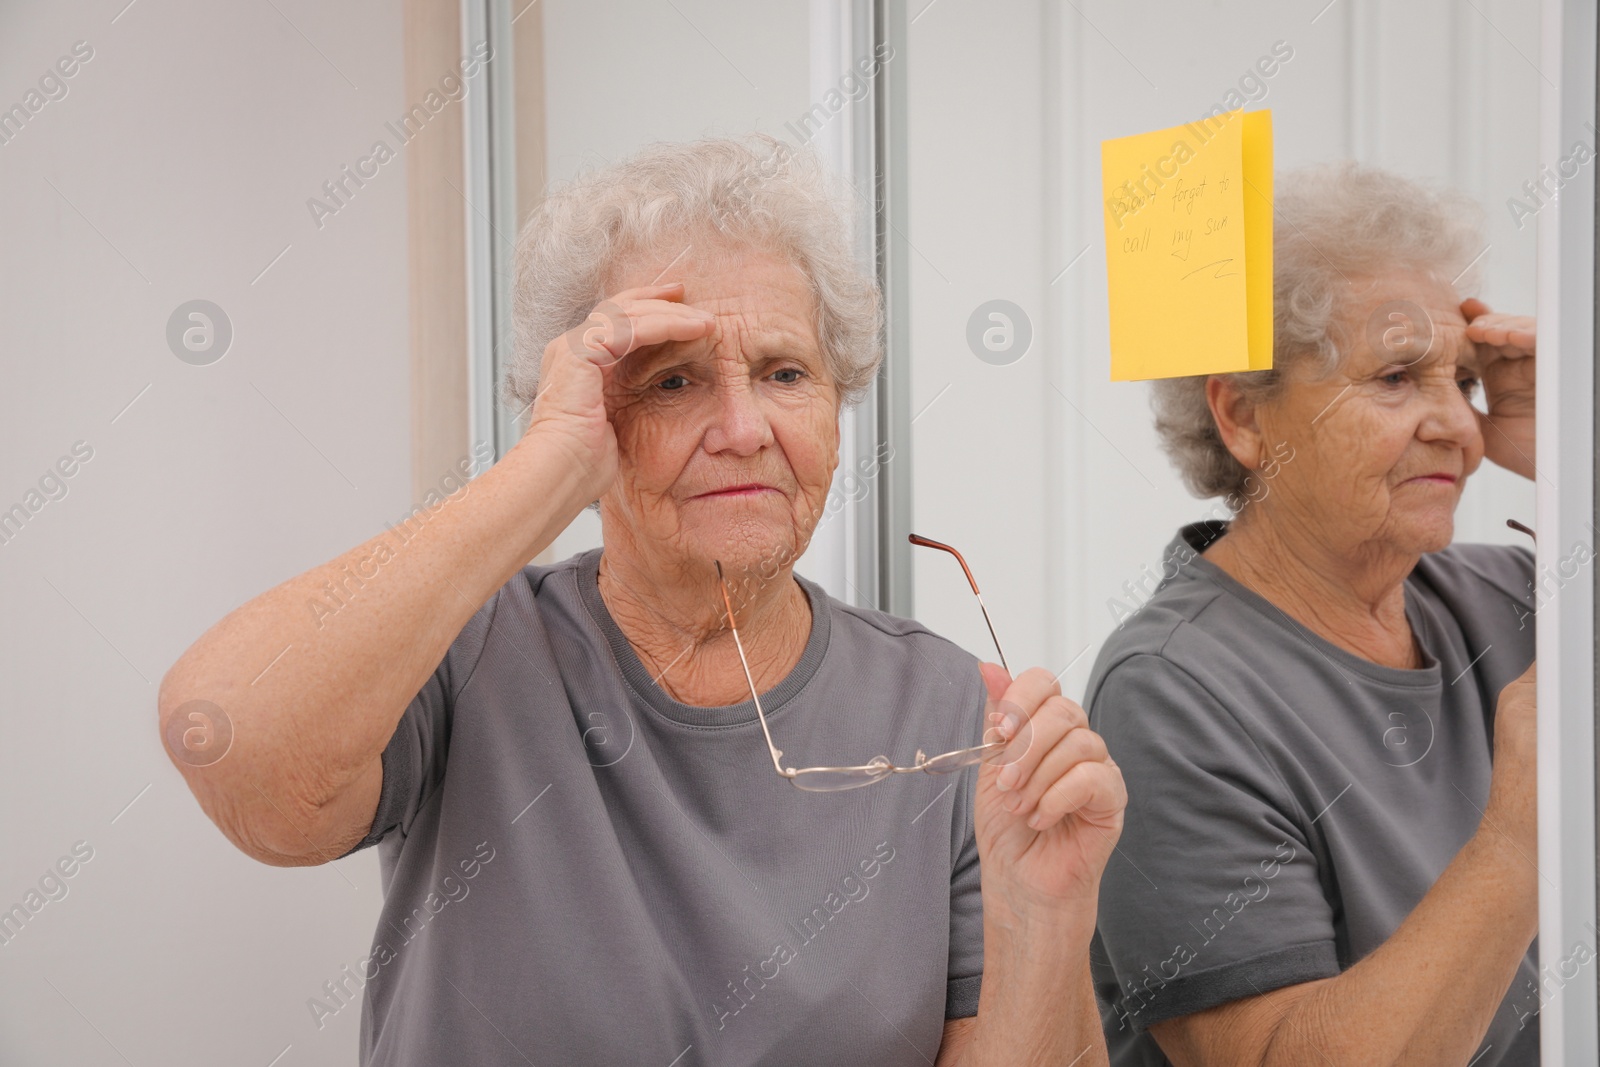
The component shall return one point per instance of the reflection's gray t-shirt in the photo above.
(579, 869)
(1289, 802)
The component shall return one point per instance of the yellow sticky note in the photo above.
(1188, 214)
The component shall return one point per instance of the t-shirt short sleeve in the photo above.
(966, 907)
(414, 758)
(1212, 894)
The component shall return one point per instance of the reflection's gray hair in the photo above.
(1335, 227)
(753, 192)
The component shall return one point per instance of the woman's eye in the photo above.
(1397, 378)
(1469, 386)
(789, 375)
(675, 381)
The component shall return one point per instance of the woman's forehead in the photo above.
(1407, 319)
(708, 264)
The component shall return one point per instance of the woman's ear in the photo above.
(1236, 419)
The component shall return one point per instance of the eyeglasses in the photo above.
(836, 779)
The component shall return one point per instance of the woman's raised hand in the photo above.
(1505, 346)
(569, 413)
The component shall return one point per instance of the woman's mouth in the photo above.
(748, 489)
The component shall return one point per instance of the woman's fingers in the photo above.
(1093, 790)
(1045, 728)
(1031, 688)
(661, 290)
(1053, 764)
(1036, 716)
(609, 325)
(1509, 335)
(616, 328)
(1078, 745)
(996, 679)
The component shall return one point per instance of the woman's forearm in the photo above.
(1427, 995)
(1037, 1006)
(314, 674)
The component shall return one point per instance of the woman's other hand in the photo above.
(1049, 807)
(1512, 810)
(1505, 347)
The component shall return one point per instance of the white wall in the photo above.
(1058, 497)
(178, 166)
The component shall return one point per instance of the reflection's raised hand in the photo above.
(1505, 350)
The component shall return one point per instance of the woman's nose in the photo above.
(739, 425)
(1451, 415)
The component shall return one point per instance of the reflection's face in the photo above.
(1384, 445)
(726, 444)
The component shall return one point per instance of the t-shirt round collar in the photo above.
(643, 683)
(1199, 536)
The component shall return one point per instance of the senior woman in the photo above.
(591, 851)
(1325, 713)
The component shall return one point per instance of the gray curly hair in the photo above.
(1336, 226)
(754, 192)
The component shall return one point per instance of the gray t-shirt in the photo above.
(579, 869)
(1290, 803)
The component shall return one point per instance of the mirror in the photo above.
(1053, 472)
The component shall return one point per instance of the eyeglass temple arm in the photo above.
(777, 753)
(1515, 525)
(928, 542)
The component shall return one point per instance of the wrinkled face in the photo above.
(1382, 447)
(727, 444)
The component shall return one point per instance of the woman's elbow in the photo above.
(264, 813)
